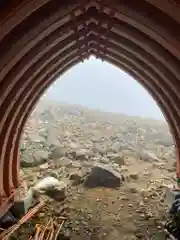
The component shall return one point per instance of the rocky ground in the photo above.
(113, 172)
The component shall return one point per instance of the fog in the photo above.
(100, 85)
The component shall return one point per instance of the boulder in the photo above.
(32, 159)
(46, 184)
(103, 176)
(51, 187)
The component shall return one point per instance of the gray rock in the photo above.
(32, 159)
(103, 176)
(63, 161)
(57, 192)
(58, 152)
(35, 138)
(148, 156)
(81, 154)
(104, 160)
(21, 206)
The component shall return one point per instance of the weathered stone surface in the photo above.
(58, 152)
(21, 206)
(63, 161)
(57, 192)
(40, 155)
(51, 187)
(23, 198)
(103, 176)
(81, 154)
(118, 158)
(33, 158)
(148, 156)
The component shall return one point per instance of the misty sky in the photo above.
(97, 84)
